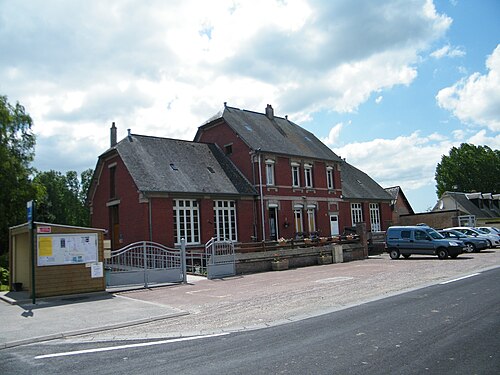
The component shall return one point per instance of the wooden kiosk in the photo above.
(67, 260)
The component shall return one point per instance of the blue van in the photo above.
(422, 240)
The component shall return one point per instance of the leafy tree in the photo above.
(469, 168)
(17, 144)
(63, 197)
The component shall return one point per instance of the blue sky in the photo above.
(389, 85)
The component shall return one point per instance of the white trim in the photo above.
(114, 202)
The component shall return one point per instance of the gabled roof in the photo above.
(277, 135)
(396, 192)
(177, 166)
(465, 201)
(358, 185)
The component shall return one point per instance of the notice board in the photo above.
(61, 249)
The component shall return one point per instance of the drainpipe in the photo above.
(261, 200)
(150, 220)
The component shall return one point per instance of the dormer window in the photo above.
(173, 166)
(228, 149)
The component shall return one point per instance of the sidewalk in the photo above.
(50, 318)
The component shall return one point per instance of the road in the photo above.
(448, 328)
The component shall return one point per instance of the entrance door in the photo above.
(334, 225)
(114, 218)
(273, 223)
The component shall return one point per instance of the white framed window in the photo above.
(329, 178)
(311, 219)
(225, 220)
(270, 172)
(186, 221)
(297, 217)
(375, 217)
(295, 175)
(356, 213)
(308, 179)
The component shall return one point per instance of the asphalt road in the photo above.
(449, 328)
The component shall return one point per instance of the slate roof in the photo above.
(177, 166)
(356, 184)
(396, 191)
(278, 136)
(469, 206)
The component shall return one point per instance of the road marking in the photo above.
(139, 345)
(334, 279)
(460, 278)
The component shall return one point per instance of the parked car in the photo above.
(408, 240)
(472, 244)
(492, 239)
(490, 230)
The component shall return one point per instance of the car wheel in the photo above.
(490, 245)
(394, 254)
(442, 253)
(406, 256)
(469, 247)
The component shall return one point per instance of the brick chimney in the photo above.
(270, 112)
(113, 134)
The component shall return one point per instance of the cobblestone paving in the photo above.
(265, 299)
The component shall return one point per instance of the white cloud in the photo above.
(379, 99)
(333, 135)
(448, 51)
(476, 99)
(165, 67)
(407, 161)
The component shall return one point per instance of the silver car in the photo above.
(493, 240)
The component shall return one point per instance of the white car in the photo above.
(490, 230)
(492, 239)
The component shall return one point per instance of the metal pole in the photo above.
(183, 261)
(32, 227)
(261, 202)
(145, 265)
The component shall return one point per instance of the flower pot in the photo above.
(279, 265)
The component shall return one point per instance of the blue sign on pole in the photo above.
(29, 211)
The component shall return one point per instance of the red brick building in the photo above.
(303, 188)
(247, 176)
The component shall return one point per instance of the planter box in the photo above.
(280, 265)
(325, 259)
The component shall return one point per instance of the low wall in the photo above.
(261, 261)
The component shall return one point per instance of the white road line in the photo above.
(460, 278)
(139, 345)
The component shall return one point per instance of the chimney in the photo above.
(270, 112)
(113, 134)
(129, 135)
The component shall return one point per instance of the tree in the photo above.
(469, 168)
(17, 144)
(63, 198)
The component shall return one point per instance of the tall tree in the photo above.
(17, 150)
(469, 168)
(64, 197)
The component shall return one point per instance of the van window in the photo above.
(420, 235)
(405, 234)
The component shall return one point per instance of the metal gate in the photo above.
(220, 258)
(145, 263)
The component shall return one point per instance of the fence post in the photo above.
(183, 261)
(144, 264)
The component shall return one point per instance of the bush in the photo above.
(4, 260)
(4, 277)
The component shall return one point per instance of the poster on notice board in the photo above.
(62, 249)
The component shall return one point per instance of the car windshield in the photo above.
(434, 234)
(482, 231)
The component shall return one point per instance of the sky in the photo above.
(391, 86)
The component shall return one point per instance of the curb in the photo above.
(84, 331)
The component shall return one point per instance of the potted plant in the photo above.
(279, 264)
(281, 241)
